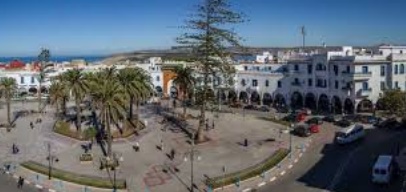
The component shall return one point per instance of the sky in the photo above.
(102, 27)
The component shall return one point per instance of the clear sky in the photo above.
(92, 27)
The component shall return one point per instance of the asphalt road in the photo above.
(329, 167)
(9, 184)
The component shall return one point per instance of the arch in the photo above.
(32, 90)
(23, 94)
(380, 105)
(310, 101)
(158, 89)
(232, 95)
(336, 105)
(267, 100)
(365, 106)
(243, 96)
(279, 101)
(323, 104)
(255, 98)
(44, 90)
(296, 100)
(348, 106)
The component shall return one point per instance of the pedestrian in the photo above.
(172, 154)
(19, 185)
(162, 145)
(136, 147)
(212, 124)
(22, 182)
(32, 125)
(207, 126)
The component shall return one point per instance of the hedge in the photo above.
(278, 121)
(75, 178)
(250, 172)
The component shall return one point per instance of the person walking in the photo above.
(172, 154)
(19, 182)
(212, 124)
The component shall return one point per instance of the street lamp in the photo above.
(192, 155)
(290, 140)
(50, 159)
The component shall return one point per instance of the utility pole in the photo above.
(303, 33)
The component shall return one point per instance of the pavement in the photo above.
(150, 169)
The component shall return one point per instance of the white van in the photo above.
(383, 169)
(350, 134)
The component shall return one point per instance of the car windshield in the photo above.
(341, 134)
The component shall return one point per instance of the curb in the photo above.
(278, 174)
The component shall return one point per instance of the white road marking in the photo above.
(283, 172)
(300, 155)
(15, 176)
(296, 160)
(261, 184)
(51, 190)
(26, 181)
(290, 166)
(246, 190)
(38, 186)
(272, 179)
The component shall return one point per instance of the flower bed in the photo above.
(75, 178)
(250, 172)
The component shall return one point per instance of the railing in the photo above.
(357, 74)
(296, 84)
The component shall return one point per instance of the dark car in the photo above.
(282, 110)
(290, 118)
(388, 123)
(315, 120)
(250, 107)
(343, 123)
(263, 109)
(302, 131)
(329, 118)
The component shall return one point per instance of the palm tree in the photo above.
(111, 98)
(185, 80)
(8, 86)
(58, 94)
(136, 83)
(43, 58)
(76, 84)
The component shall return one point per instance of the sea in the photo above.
(53, 58)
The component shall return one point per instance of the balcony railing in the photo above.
(296, 84)
(364, 92)
(357, 74)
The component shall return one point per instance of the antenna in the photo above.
(303, 33)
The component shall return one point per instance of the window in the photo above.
(364, 69)
(320, 67)
(296, 80)
(243, 83)
(336, 84)
(382, 70)
(365, 86)
(335, 68)
(402, 69)
(383, 85)
(296, 67)
(254, 82)
(245, 68)
(32, 80)
(396, 69)
(309, 69)
(348, 69)
(266, 83)
(157, 78)
(22, 80)
(310, 82)
(396, 85)
(269, 68)
(279, 84)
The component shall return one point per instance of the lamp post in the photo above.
(192, 155)
(50, 159)
(290, 140)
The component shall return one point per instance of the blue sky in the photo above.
(93, 27)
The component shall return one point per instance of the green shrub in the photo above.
(250, 172)
(75, 178)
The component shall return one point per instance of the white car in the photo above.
(350, 134)
(383, 169)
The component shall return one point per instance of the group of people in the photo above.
(20, 182)
(38, 120)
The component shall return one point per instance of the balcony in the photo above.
(364, 92)
(357, 75)
(296, 84)
(291, 72)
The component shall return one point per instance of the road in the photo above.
(329, 167)
(9, 184)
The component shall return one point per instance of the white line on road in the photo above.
(300, 155)
(272, 179)
(51, 190)
(296, 160)
(38, 186)
(283, 172)
(290, 166)
(28, 182)
(15, 176)
(261, 184)
(246, 190)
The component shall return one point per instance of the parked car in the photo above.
(343, 123)
(329, 118)
(371, 120)
(250, 107)
(315, 120)
(264, 109)
(383, 169)
(314, 128)
(350, 134)
(389, 123)
(302, 131)
(282, 110)
(235, 105)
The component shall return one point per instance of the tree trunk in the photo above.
(57, 108)
(78, 118)
(64, 106)
(184, 104)
(8, 108)
(200, 136)
(131, 107)
(109, 139)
